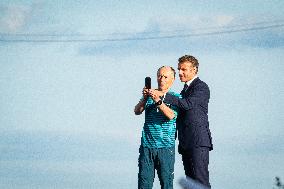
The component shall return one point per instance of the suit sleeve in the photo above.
(199, 96)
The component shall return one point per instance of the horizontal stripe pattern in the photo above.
(158, 130)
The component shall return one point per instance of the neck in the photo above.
(191, 78)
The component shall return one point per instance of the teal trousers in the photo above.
(160, 159)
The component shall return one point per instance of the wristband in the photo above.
(159, 103)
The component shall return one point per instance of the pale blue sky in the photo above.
(66, 107)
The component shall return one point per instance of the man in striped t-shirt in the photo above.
(157, 150)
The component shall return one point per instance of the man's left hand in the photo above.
(155, 94)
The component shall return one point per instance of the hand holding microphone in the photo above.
(147, 87)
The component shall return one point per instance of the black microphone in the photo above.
(148, 82)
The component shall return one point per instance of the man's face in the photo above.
(165, 78)
(186, 71)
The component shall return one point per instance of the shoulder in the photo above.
(199, 83)
(174, 94)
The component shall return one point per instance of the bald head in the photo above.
(165, 77)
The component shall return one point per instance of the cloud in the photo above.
(223, 20)
(14, 18)
(194, 22)
(224, 30)
(174, 34)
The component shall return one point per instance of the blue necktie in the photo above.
(184, 89)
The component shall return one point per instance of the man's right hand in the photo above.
(139, 108)
(145, 93)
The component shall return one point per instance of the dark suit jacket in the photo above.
(192, 121)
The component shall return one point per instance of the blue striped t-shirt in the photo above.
(158, 130)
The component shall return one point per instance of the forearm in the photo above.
(171, 99)
(199, 96)
(168, 112)
(183, 104)
(139, 108)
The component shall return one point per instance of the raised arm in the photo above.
(200, 95)
(140, 107)
(167, 111)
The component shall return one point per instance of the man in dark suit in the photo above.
(192, 123)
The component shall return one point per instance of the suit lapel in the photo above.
(192, 84)
(184, 93)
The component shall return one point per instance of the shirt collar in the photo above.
(190, 81)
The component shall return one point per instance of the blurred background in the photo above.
(71, 73)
